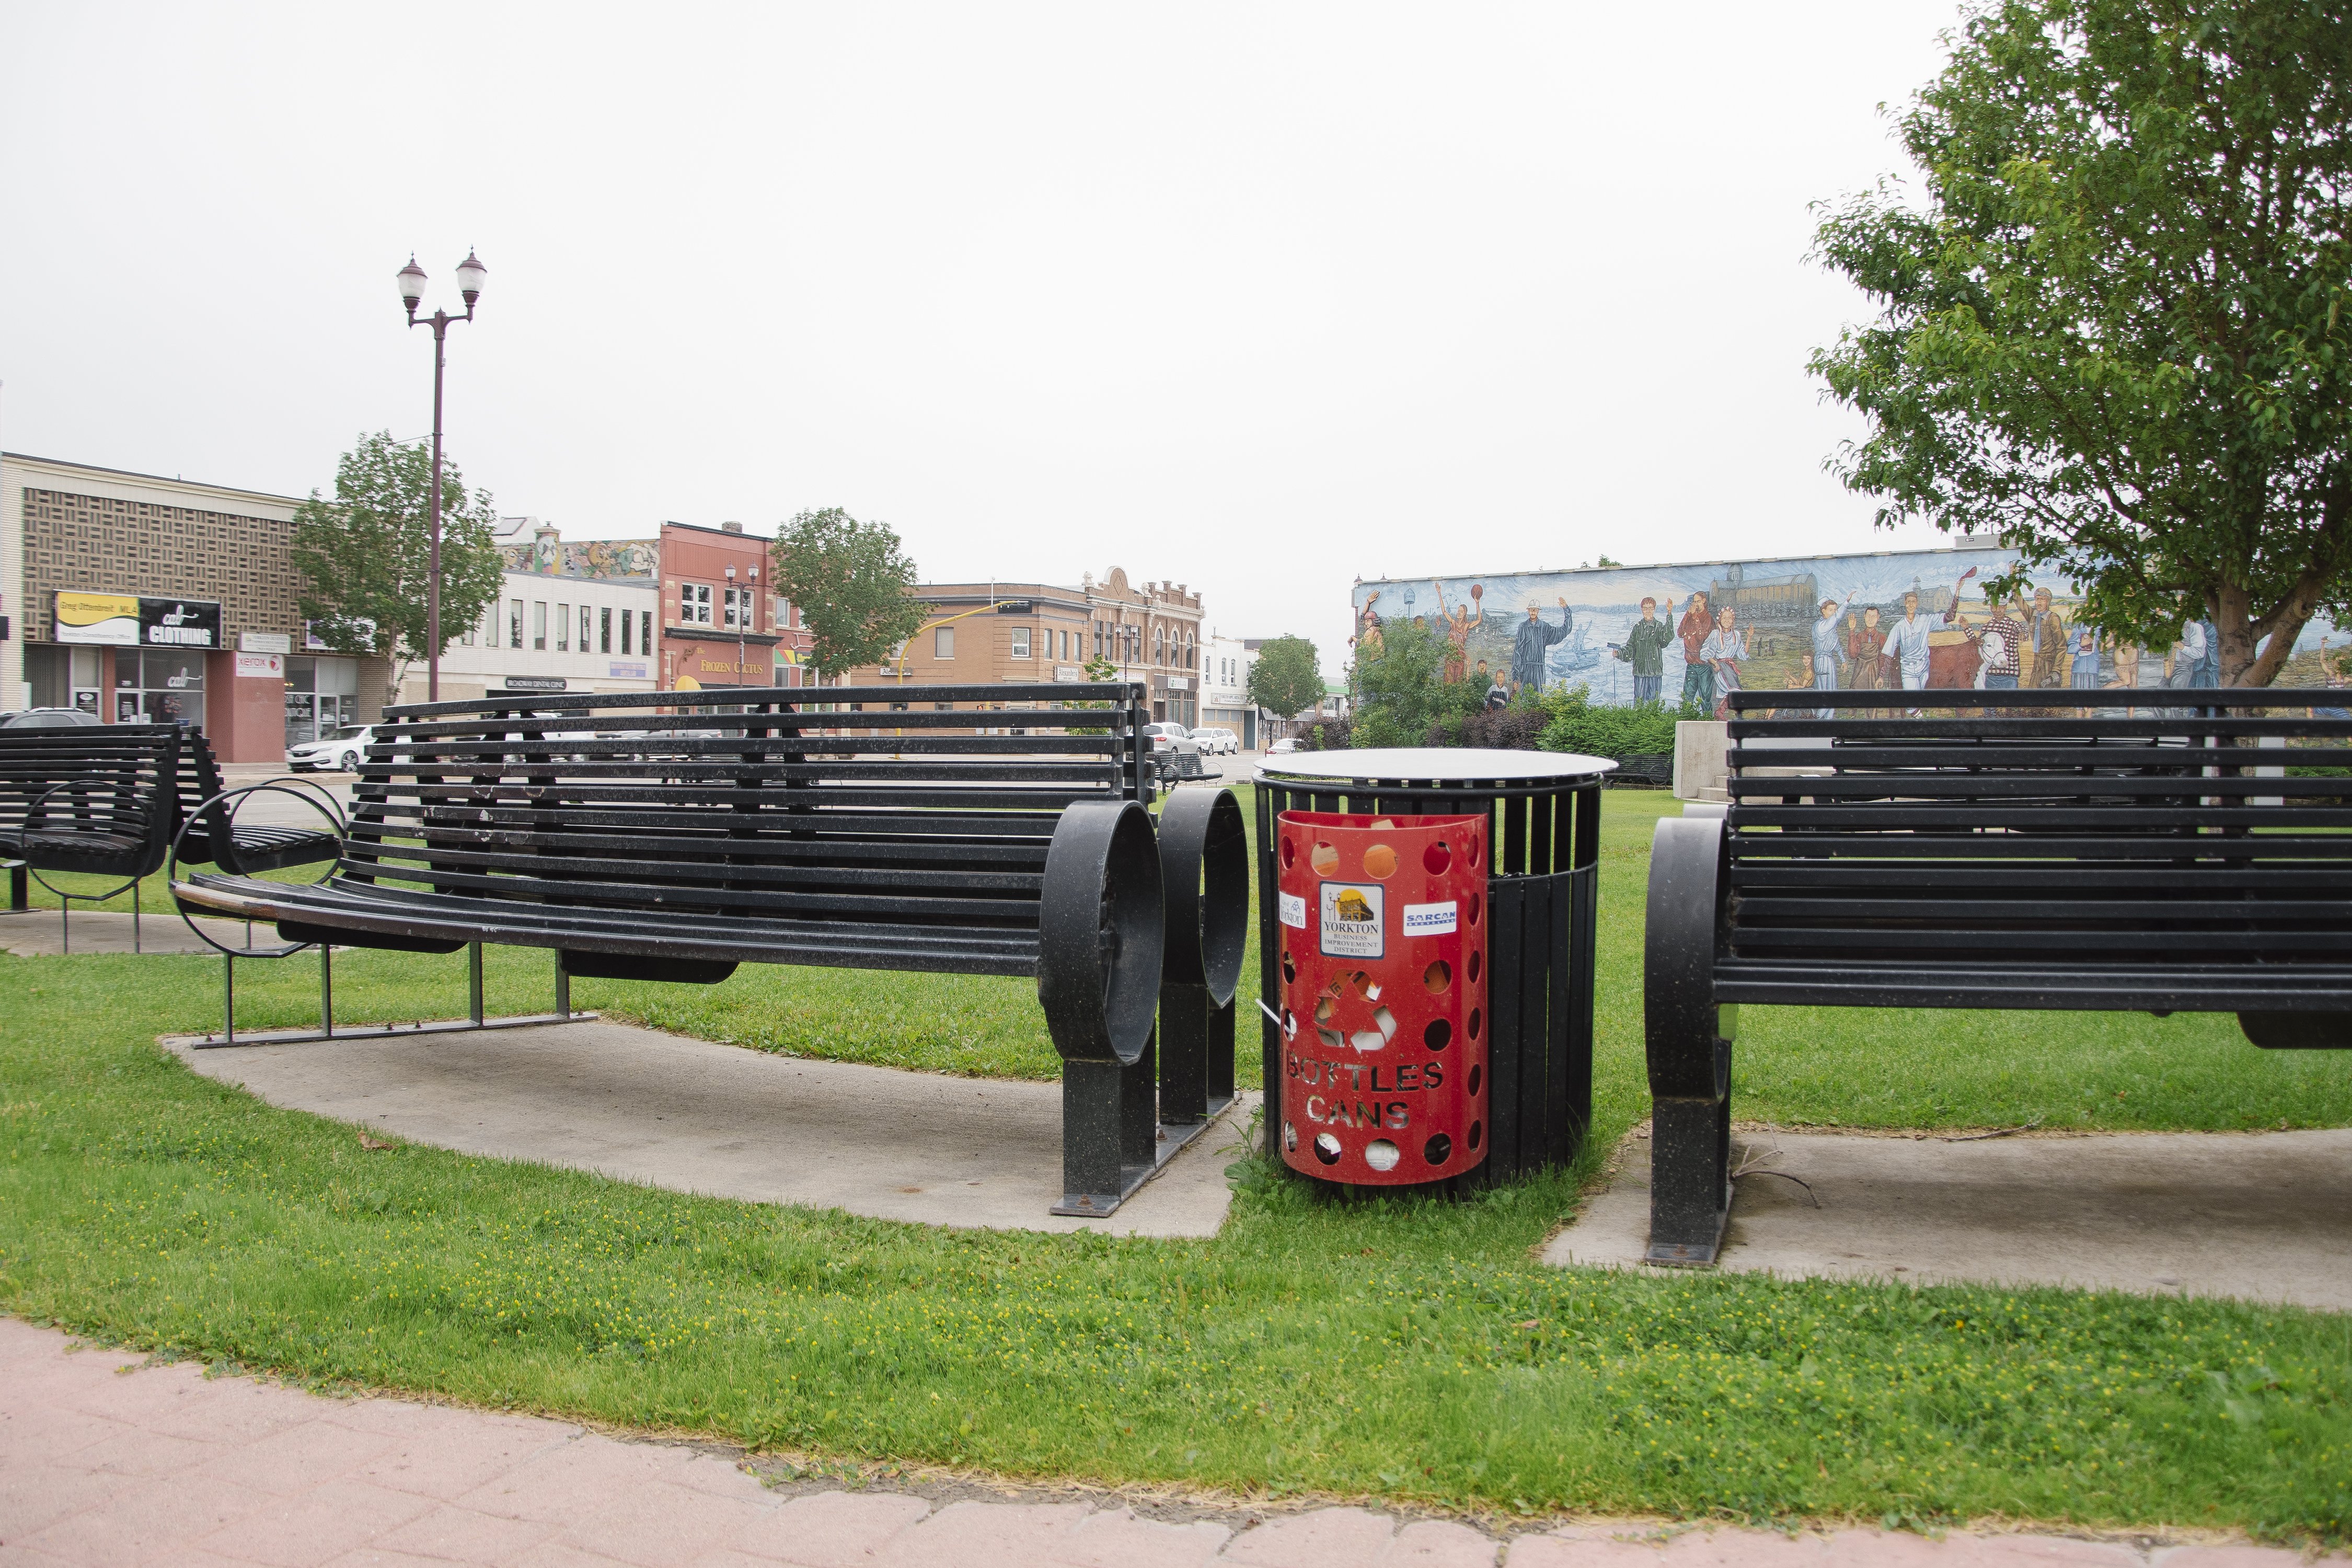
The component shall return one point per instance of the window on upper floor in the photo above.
(944, 642)
(514, 623)
(1021, 642)
(563, 628)
(539, 626)
(694, 604)
(737, 613)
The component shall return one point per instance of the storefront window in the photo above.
(158, 686)
(322, 695)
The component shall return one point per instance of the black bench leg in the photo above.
(1688, 1040)
(1139, 1115)
(20, 889)
(1184, 1053)
(1221, 1056)
(1092, 1158)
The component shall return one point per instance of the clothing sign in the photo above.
(127, 620)
(1352, 922)
(180, 622)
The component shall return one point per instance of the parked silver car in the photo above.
(48, 719)
(341, 750)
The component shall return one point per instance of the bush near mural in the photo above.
(1680, 638)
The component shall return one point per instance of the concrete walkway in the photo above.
(43, 934)
(2263, 1216)
(726, 1121)
(105, 1461)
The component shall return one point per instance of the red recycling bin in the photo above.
(1383, 955)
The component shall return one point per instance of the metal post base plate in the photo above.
(1692, 1254)
(1173, 1135)
(214, 1042)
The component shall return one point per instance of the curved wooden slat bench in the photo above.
(1992, 849)
(672, 835)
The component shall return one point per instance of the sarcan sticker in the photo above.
(1351, 919)
(1429, 920)
(1294, 911)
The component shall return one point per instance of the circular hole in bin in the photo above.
(1437, 976)
(1436, 858)
(1289, 1138)
(1439, 1034)
(1477, 963)
(1380, 861)
(1325, 859)
(1438, 1149)
(1477, 905)
(1477, 1077)
(1289, 852)
(1477, 1130)
(1289, 968)
(1382, 1155)
(1475, 854)
(1326, 1148)
(1323, 1010)
(1474, 1021)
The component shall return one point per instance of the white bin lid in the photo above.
(1425, 766)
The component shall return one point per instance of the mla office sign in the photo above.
(125, 620)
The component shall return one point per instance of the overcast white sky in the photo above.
(1257, 298)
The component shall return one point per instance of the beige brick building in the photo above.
(1023, 632)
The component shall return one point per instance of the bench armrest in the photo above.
(1681, 1019)
(1100, 933)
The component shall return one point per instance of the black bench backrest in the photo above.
(1995, 827)
(130, 793)
(831, 804)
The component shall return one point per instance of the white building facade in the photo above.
(565, 620)
(1224, 687)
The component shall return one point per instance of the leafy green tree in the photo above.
(850, 580)
(2115, 330)
(1286, 681)
(365, 557)
(1403, 698)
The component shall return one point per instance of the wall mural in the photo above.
(1883, 621)
(626, 558)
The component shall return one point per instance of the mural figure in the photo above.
(1366, 640)
(1698, 676)
(1725, 646)
(1528, 643)
(1644, 649)
(1865, 653)
(1827, 641)
(2195, 658)
(1998, 642)
(1906, 644)
(1458, 627)
(2044, 644)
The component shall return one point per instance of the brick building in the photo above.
(137, 596)
(721, 625)
(1043, 634)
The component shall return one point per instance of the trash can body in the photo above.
(1542, 816)
(1384, 963)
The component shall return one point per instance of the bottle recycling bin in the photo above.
(1538, 880)
(1383, 947)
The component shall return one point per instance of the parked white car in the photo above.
(1172, 740)
(1218, 741)
(340, 751)
(1282, 747)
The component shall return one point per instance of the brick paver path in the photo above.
(105, 1460)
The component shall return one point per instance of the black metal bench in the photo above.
(212, 834)
(1990, 849)
(101, 800)
(672, 835)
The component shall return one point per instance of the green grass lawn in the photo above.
(1409, 1349)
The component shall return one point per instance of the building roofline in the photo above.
(152, 478)
(722, 533)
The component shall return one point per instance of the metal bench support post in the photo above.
(474, 980)
(1184, 1052)
(563, 987)
(229, 1000)
(326, 991)
(1091, 1092)
(1689, 1046)
(20, 888)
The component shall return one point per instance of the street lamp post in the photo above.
(471, 273)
